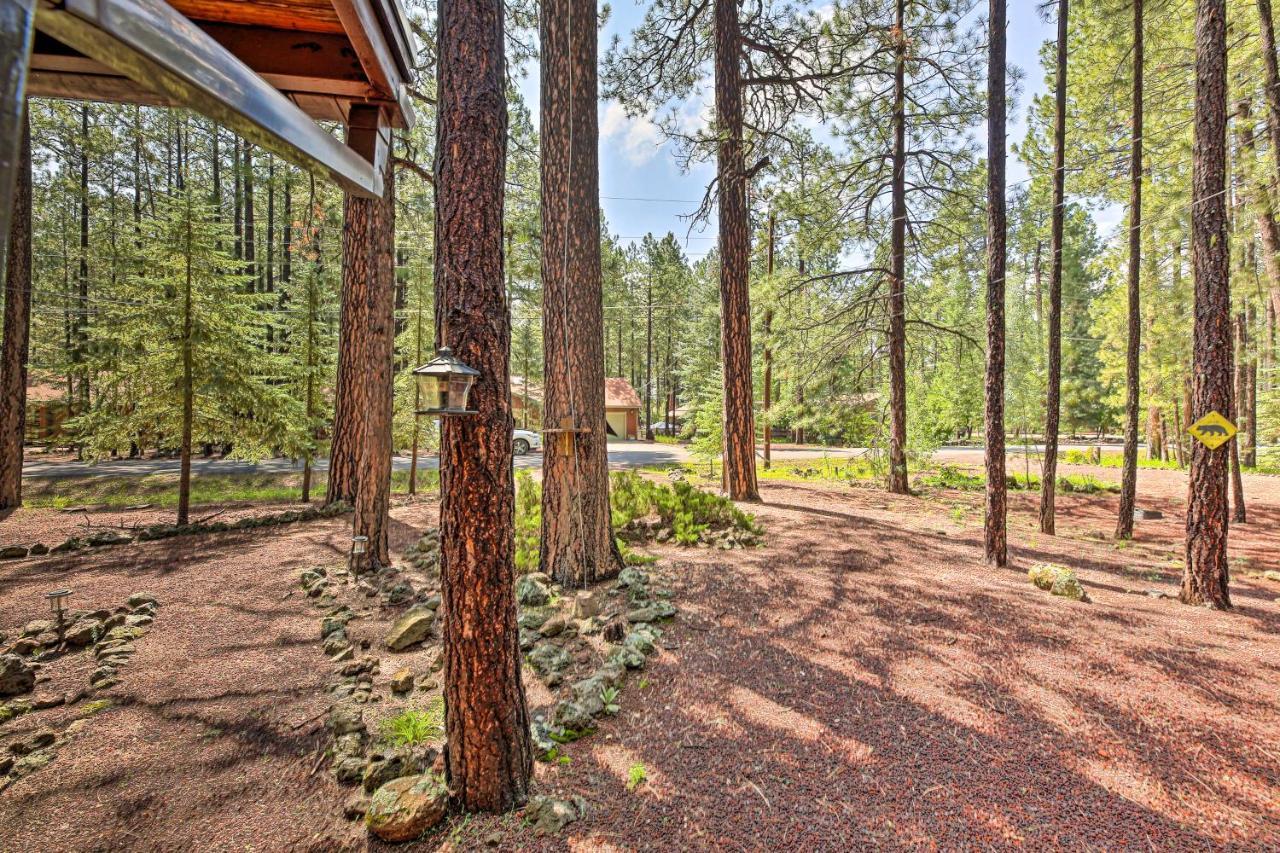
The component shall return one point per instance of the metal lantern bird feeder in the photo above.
(445, 384)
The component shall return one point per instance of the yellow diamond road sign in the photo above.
(1213, 430)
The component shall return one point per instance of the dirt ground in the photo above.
(863, 680)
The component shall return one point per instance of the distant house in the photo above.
(526, 403)
(46, 410)
(621, 408)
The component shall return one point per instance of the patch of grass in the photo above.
(161, 490)
(665, 439)
(413, 725)
(951, 477)
(687, 510)
(820, 470)
(636, 775)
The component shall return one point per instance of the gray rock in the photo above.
(16, 676)
(356, 807)
(642, 639)
(140, 599)
(404, 808)
(586, 604)
(531, 591)
(348, 769)
(411, 628)
(549, 661)
(551, 814)
(432, 602)
(37, 626)
(586, 693)
(344, 719)
(330, 625)
(83, 633)
(336, 642)
(632, 577)
(628, 657)
(572, 716)
(402, 682)
(532, 619)
(553, 627)
(528, 639)
(13, 552)
(138, 620)
(382, 767)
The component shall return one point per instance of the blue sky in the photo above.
(642, 187)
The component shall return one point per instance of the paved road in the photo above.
(621, 455)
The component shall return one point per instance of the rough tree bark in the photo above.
(1206, 576)
(1049, 471)
(489, 757)
(1239, 512)
(735, 300)
(577, 546)
(768, 362)
(17, 329)
(1129, 474)
(360, 452)
(995, 536)
(898, 273)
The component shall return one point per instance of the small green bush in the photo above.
(413, 726)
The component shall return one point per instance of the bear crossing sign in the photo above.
(1213, 430)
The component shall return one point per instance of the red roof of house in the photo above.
(618, 394)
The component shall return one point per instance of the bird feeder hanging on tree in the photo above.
(445, 384)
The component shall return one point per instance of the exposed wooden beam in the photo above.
(148, 41)
(17, 30)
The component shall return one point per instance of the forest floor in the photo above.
(861, 680)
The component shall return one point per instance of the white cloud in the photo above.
(639, 138)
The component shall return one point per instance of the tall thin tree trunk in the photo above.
(1206, 575)
(1049, 470)
(82, 278)
(17, 328)
(1239, 511)
(270, 266)
(768, 361)
(648, 358)
(898, 276)
(1129, 474)
(995, 538)
(735, 300)
(577, 547)
(250, 241)
(188, 379)
(489, 756)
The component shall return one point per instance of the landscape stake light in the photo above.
(445, 384)
(358, 545)
(56, 598)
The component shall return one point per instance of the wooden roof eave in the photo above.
(152, 44)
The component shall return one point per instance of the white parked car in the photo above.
(526, 440)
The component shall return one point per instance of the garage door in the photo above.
(617, 423)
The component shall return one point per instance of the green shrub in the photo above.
(415, 726)
(528, 523)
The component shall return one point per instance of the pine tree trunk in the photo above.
(489, 756)
(648, 358)
(250, 241)
(898, 273)
(360, 453)
(82, 279)
(1053, 406)
(995, 538)
(1129, 474)
(577, 535)
(768, 365)
(17, 328)
(188, 383)
(1206, 576)
(735, 299)
(1239, 511)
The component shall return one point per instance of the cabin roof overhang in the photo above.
(268, 70)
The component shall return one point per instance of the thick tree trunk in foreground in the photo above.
(360, 452)
(1129, 474)
(188, 374)
(1049, 471)
(489, 757)
(17, 329)
(577, 535)
(995, 536)
(735, 299)
(898, 274)
(1205, 576)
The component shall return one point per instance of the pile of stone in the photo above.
(726, 537)
(425, 554)
(27, 755)
(103, 538)
(111, 633)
